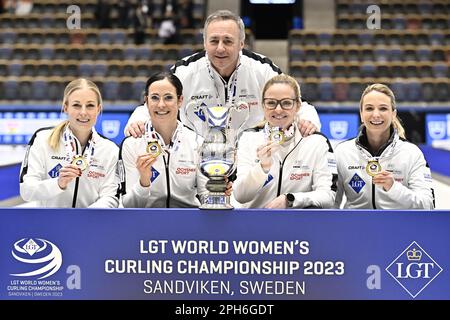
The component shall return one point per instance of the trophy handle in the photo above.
(192, 105)
(238, 108)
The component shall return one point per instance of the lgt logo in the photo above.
(414, 269)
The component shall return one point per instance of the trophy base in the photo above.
(216, 202)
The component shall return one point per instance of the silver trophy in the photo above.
(217, 153)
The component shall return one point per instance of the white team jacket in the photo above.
(96, 188)
(203, 85)
(412, 188)
(304, 166)
(175, 180)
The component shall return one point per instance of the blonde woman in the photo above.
(379, 169)
(277, 167)
(71, 165)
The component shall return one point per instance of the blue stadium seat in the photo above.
(138, 90)
(100, 69)
(325, 90)
(325, 70)
(368, 70)
(125, 91)
(110, 89)
(10, 89)
(130, 53)
(39, 90)
(440, 70)
(47, 53)
(399, 89)
(85, 69)
(144, 53)
(5, 52)
(413, 90)
(15, 68)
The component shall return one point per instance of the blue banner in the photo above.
(17, 127)
(437, 129)
(241, 254)
(339, 126)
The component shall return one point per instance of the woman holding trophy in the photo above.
(379, 169)
(161, 167)
(277, 167)
(71, 165)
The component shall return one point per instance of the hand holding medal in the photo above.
(384, 179)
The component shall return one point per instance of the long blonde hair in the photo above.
(396, 122)
(76, 84)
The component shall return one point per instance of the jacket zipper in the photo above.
(166, 164)
(373, 196)
(281, 168)
(77, 182)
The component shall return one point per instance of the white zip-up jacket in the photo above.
(97, 187)
(204, 85)
(175, 181)
(412, 188)
(303, 166)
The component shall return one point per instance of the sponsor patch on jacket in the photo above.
(427, 177)
(155, 174)
(298, 176)
(58, 158)
(184, 171)
(356, 183)
(355, 167)
(269, 178)
(54, 173)
(95, 175)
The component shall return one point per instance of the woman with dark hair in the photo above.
(379, 169)
(160, 168)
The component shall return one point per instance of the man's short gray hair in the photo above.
(223, 15)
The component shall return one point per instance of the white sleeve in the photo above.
(109, 193)
(139, 114)
(419, 193)
(250, 175)
(35, 185)
(136, 195)
(308, 112)
(324, 180)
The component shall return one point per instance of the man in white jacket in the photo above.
(224, 74)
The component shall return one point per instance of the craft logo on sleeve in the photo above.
(414, 269)
(35, 262)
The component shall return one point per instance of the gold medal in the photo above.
(153, 149)
(80, 162)
(277, 136)
(373, 168)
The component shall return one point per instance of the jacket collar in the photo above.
(362, 141)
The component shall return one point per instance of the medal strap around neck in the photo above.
(230, 99)
(151, 135)
(70, 144)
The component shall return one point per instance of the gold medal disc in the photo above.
(278, 136)
(154, 149)
(80, 162)
(373, 168)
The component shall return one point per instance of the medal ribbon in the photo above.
(70, 145)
